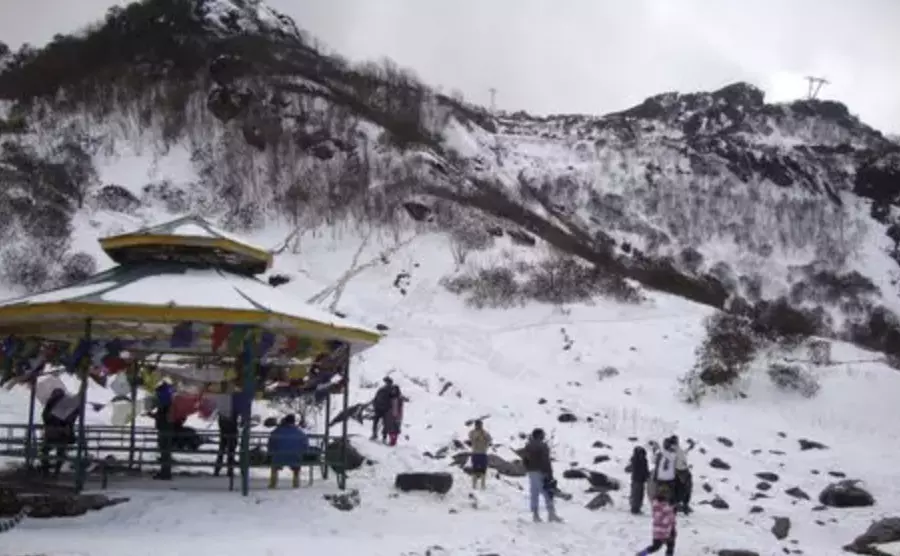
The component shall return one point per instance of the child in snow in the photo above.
(480, 440)
(663, 523)
(640, 472)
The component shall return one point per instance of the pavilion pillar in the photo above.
(326, 436)
(248, 387)
(133, 375)
(81, 450)
(345, 370)
(29, 433)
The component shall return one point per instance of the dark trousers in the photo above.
(637, 496)
(164, 443)
(378, 419)
(48, 446)
(684, 486)
(659, 543)
(227, 448)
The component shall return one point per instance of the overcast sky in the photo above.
(588, 56)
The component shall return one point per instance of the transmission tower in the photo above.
(815, 85)
(493, 92)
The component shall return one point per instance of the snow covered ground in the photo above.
(520, 368)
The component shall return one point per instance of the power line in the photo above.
(815, 85)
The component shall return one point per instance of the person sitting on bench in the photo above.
(288, 447)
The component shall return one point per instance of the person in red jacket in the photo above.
(663, 523)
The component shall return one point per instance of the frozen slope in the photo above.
(502, 364)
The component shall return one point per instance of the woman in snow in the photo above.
(663, 524)
(394, 418)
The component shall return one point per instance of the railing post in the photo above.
(342, 476)
(248, 387)
(29, 434)
(80, 470)
(134, 375)
(325, 437)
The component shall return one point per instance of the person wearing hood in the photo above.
(288, 444)
(640, 472)
(381, 405)
(539, 467)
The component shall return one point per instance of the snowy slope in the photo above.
(765, 194)
(501, 364)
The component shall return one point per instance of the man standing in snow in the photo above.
(480, 440)
(536, 458)
(381, 404)
(684, 481)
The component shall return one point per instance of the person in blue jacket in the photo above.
(288, 445)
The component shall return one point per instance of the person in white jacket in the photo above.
(664, 468)
(684, 483)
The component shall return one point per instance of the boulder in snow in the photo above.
(333, 455)
(883, 531)
(846, 494)
(439, 483)
(344, 501)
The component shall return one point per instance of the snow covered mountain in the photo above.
(525, 267)
(711, 196)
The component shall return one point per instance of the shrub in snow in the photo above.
(488, 287)
(116, 198)
(467, 238)
(778, 321)
(690, 259)
(725, 355)
(879, 331)
(561, 280)
(794, 378)
(24, 267)
(77, 268)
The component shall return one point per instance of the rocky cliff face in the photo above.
(716, 196)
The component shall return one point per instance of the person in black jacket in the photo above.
(58, 434)
(228, 438)
(640, 472)
(164, 430)
(381, 405)
(536, 458)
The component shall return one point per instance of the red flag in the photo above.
(290, 346)
(220, 335)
